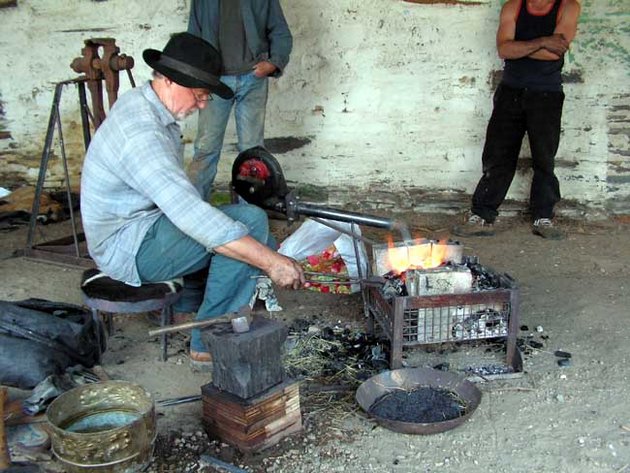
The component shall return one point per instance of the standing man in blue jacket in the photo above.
(255, 43)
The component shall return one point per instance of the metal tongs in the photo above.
(335, 278)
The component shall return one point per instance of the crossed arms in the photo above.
(545, 48)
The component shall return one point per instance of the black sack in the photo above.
(39, 338)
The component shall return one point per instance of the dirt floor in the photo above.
(575, 296)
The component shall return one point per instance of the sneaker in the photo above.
(545, 228)
(474, 226)
(200, 361)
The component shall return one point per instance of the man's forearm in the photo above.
(544, 55)
(283, 271)
(519, 49)
(248, 250)
(545, 48)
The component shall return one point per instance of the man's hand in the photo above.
(286, 272)
(555, 43)
(264, 69)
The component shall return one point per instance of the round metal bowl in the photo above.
(107, 427)
(414, 378)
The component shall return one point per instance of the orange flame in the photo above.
(420, 256)
(438, 255)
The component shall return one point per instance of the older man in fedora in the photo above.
(144, 221)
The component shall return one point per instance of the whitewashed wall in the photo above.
(391, 98)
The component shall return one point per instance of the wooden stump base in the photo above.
(252, 424)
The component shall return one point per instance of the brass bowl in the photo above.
(107, 427)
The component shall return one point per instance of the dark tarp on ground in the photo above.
(39, 338)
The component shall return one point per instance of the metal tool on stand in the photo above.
(99, 69)
(101, 62)
(258, 178)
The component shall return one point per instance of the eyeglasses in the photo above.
(201, 97)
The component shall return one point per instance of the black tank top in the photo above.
(532, 73)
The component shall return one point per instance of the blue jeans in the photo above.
(250, 103)
(213, 284)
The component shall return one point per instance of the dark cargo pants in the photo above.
(515, 112)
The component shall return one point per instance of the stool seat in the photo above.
(102, 293)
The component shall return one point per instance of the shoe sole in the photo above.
(200, 366)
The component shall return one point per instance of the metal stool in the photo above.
(101, 293)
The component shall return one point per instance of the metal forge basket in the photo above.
(409, 321)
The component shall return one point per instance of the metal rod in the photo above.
(213, 461)
(332, 275)
(85, 119)
(351, 217)
(190, 325)
(341, 283)
(131, 81)
(43, 165)
(178, 400)
(513, 327)
(347, 279)
(64, 161)
(344, 231)
(357, 257)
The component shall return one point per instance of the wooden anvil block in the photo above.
(246, 364)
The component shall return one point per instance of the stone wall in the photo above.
(384, 103)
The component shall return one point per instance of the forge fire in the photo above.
(428, 292)
(430, 267)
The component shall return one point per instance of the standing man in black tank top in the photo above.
(532, 38)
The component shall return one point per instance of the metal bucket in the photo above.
(107, 427)
(409, 379)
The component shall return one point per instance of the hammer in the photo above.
(239, 323)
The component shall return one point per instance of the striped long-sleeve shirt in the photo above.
(133, 173)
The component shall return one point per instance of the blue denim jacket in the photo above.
(266, 29)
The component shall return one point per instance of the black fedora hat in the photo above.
(189, 61)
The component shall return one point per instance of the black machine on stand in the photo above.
(100, 63)
(258, 178)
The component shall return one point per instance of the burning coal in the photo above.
(448, 278)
